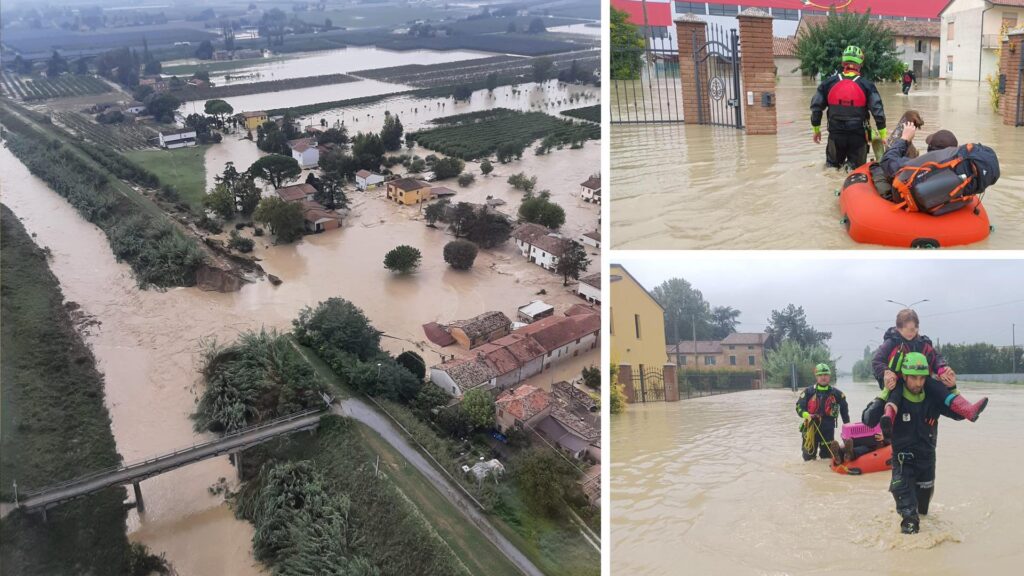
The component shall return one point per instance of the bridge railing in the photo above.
(138, 464)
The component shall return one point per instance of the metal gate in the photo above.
(649, 385)
(645, 86)
(717, 77)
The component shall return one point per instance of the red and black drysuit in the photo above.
(914, 437)
(850, 99)
(824, 404)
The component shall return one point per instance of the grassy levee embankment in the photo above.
(138, 230)
(54, 426)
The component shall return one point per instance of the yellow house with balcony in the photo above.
(637, 323)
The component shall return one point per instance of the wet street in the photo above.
(693, 187)
(717, 484)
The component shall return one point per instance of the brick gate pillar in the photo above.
(626, 380)
(671, 383)
(686, 26)
(758, 71)
(1009, 67)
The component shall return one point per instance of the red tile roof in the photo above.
(592, 280)
(701, 346)
(301, 144)
(523, 402)
(437, 334)
(295, 192)
(523, 347)
(554, 332)
(899, 28)
(594, 183)
(577, 309)
(910, 9)
(784, 47)
(745, 338)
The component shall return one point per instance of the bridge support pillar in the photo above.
(238, 464)
(139, 504)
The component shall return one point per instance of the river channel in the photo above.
(678, 186)
(717, 484)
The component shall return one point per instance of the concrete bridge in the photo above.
(134, 473)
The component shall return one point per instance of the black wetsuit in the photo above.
(914, 437)
(824, 404)
(848, 110)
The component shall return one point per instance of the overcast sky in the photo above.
(969, 300)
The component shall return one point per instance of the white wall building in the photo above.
(366, 179)
(305, 152)
(589, 288)
(177, 139)
(539, 245)
(970, 35)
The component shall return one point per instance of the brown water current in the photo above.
(717, 485)
(148, 342)
(689, 187)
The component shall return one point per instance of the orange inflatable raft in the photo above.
(877, 461)
(871, 219)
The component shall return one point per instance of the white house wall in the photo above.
(589, 292)
(442, 380)
(555, 356)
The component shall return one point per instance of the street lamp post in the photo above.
(908, 305)
(1013, 348)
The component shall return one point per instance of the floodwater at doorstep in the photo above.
(691, 187)
(717, 484)
(148, 342)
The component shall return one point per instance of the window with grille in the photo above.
(721, 10)
(690, 8)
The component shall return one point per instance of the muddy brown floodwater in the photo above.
(147, 345)
(677, 186)
(717, 484)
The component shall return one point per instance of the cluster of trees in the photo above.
(460, 254)
(688, 315)
(792, 340)
(820, 50)
(541, 210)
(520, 181)
(790, 323)
(476, 224)
(233, 192)
(983, 358)
(343, 337)
(273, 138)
(627, 45)
(259, 377)
(329, 191)
(119, 65)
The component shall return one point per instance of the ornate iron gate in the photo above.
(649, 384)
(645, 86)
(717, 65)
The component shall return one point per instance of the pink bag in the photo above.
(859, 430)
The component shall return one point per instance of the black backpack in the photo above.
(943, 181)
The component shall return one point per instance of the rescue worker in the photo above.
(819, 405)
(914, 436)
(908, 79)
(850, 99)
(903, 340)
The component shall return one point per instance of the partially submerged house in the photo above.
(590, 190)
(297, 193)
(591, 238)
(366, 179)
(589, 288)
(539, 245)
(305, 152)
(534, 311)
(480, 329)
(408, 191)
(253, 120)
(460, 375)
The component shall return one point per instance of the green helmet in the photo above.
(853, 54)
(915, 364)
(821, 369)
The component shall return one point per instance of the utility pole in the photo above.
(1013, 349)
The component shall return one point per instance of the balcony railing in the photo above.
(991, 41)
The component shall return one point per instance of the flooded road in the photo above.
(147, 345)
(690, 187)
(717, 484)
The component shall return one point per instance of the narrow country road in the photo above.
(363, 412)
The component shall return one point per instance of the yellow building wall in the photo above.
(255, 122)
(409, 198)
(629, 300)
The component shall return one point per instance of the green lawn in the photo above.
(183, 168)
(189, 69)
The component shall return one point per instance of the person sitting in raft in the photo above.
(904, 339)
(896, 156)
(914, 438)
(849, 450)
(819, 405)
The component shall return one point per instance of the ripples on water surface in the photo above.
(676, 186)
(717, 485)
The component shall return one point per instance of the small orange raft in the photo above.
(871, 219)
(878, 461)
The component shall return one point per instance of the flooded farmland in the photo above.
(691, 187)
(147, 342)
(717, 484)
